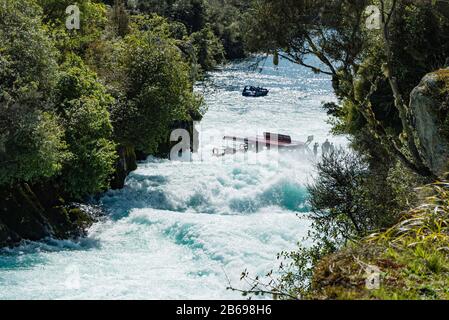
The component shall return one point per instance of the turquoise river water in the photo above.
(181, 230)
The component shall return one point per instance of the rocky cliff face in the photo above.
(128, 155)
(166, 146)
(429, 104)
(127, 163)
(37, 213)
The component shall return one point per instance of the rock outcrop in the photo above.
(166, 146)
(28, 214)
(127, 162)
(429, 103)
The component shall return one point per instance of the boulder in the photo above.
(27, 215)
(429, 104)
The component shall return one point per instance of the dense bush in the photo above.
(348, 200)
(219, 24)
(77, 107)
(93, 21)
(208, 48)
(83, 104)
(159, 91)
(226, 19)
(58, 88)
(31, 136)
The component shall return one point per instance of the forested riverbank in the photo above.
(79, 106)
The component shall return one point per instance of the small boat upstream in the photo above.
(250, 91)
(259, 143)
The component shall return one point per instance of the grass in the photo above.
(413, 258)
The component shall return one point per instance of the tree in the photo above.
(348, 201)
(93, 22)
(120, 18)
(190, 12)
(158, 91)
(32, 145)
(82, 104)
(208, 48)
(335, 33)
(225, 17)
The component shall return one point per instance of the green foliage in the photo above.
(189, 12)
(208, 48)
(93, 22)
(223, 17)
(159, 91)
(83, 106)
(201, 47)
(412, 257)
(178, 30)
(58, 87)
(154, 23)
(31, 145)
(27, 56)
(120, 18)
(173, 32)
(226, 18)
(348, 200)
(334, 198)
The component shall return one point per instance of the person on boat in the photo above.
(332, 148)
(315, 149)
(325, 148)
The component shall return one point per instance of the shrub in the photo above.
(93, 21)
(83, 105)
(158, 92)
(30, 135)
(34, 148)
(349, 199)
(208, 48)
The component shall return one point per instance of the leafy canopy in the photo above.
(31, 144)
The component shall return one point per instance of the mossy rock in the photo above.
(25, 217)
(126, 163)
(80, 219)
(23, 214)
(429, 104)
(69, 222)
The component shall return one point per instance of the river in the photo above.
(182, 230)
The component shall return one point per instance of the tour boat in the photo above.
(255, 92)
(260, 143)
